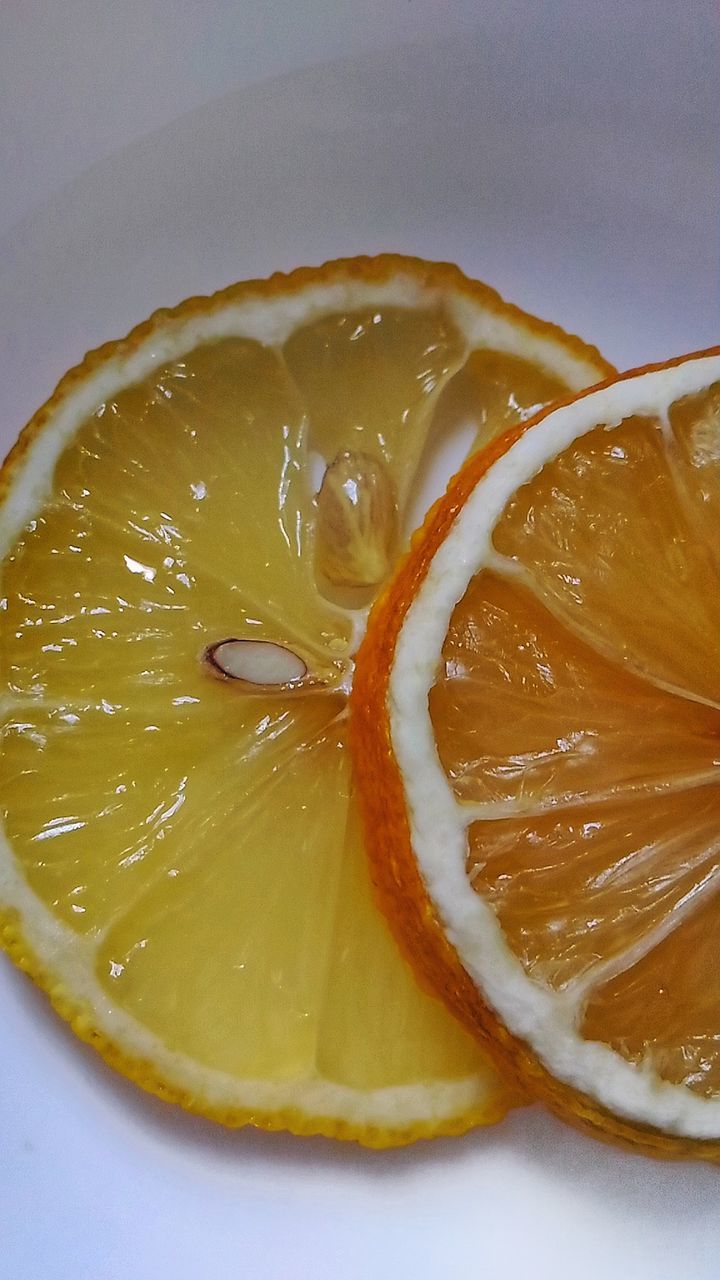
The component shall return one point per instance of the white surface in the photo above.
(568, 154)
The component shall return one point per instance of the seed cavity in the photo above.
(259, 663)
(357, 521)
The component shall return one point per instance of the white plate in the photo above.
(154, 149)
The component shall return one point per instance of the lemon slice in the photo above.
(192, 529)
(538, 716)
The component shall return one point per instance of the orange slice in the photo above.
(537, 709)
(191, 532)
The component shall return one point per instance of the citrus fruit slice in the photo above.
(192, 529)
(537, 709)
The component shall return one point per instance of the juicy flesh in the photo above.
(201, 838)
(577, 715)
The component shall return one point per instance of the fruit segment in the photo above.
(404, 1039)
(369, 381)
(587, 888)
(663, 1012)
(495, 391)
(528, 717)
(607, 544)
(238, 927)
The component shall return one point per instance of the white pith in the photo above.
(532, 1012)
(62, 953)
